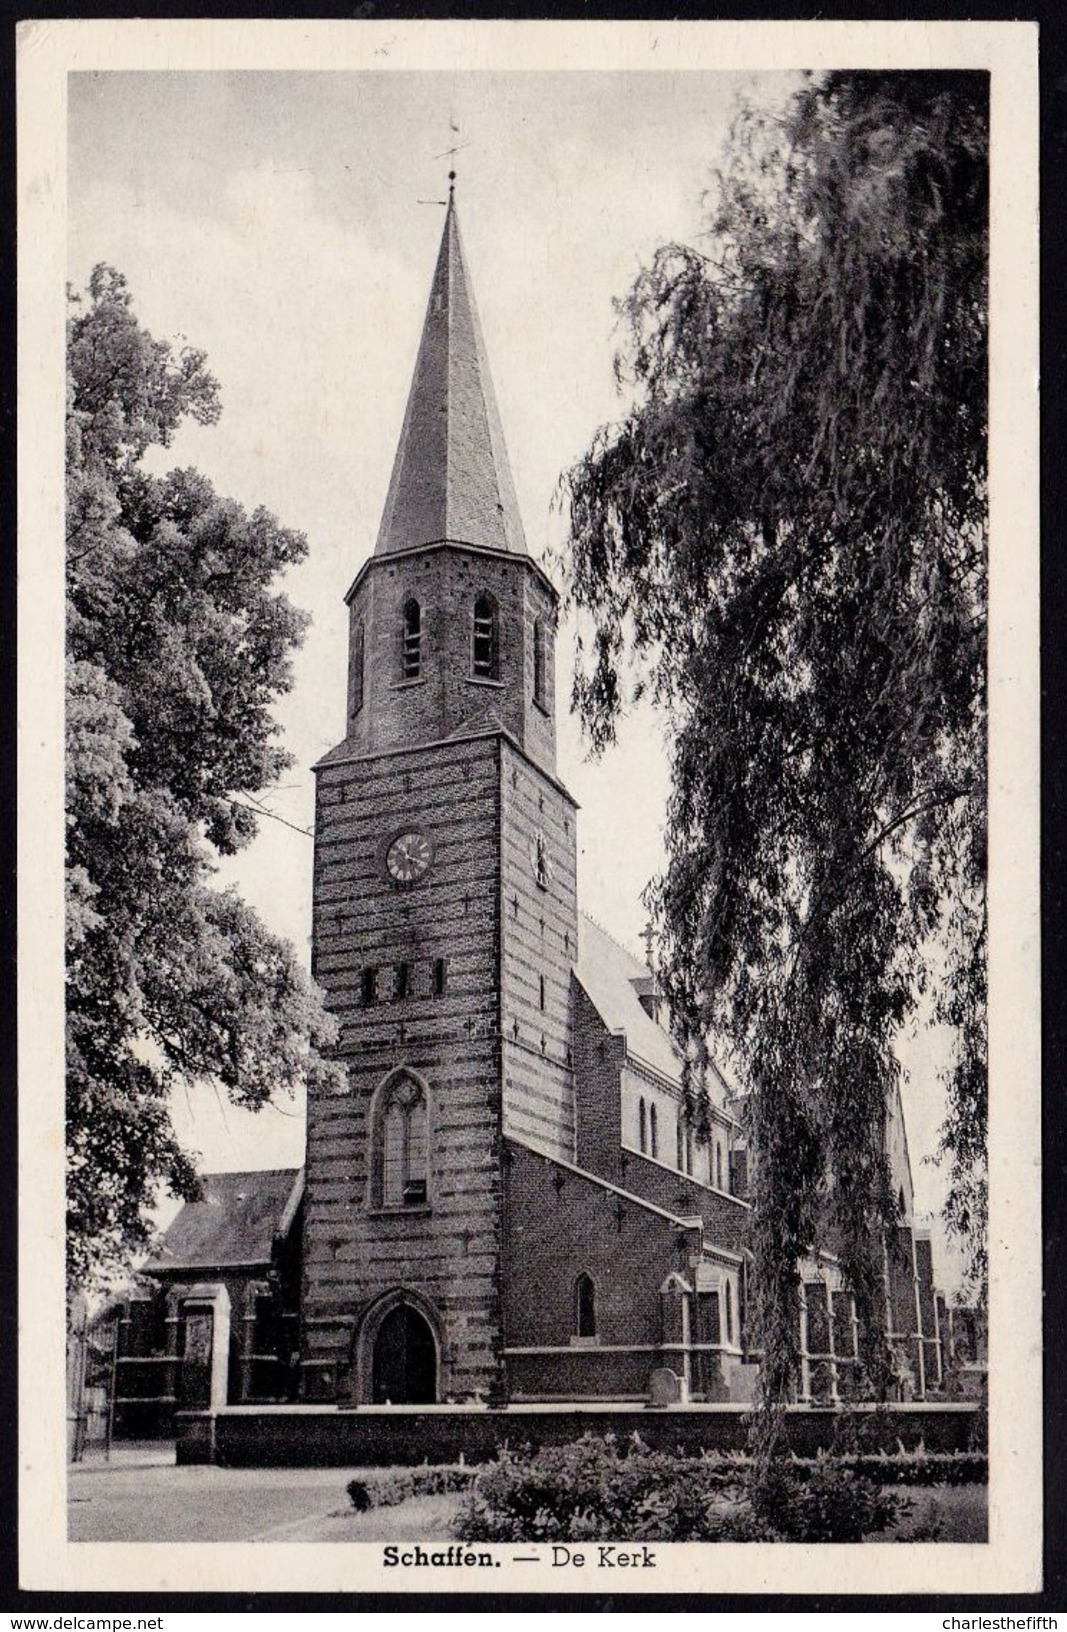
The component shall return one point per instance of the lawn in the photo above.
(961, 1510)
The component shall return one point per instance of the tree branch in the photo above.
(827, 894)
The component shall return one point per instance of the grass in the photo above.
(943, 1513)
(957, 1513)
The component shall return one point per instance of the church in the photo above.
(505, 1203)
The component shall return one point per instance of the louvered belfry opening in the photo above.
(540, 662)
(486, 656)
(411, 653)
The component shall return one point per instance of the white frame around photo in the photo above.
(48, 52)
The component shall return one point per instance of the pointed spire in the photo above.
(451, 478)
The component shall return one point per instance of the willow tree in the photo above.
(178, 646)
(784, 540)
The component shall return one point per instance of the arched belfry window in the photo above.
(584, 1306)
(653, 1131)
(400, 1143)
(540, 663)
(356, 663)
(485, 645)
(411, 649)
(642, 1126)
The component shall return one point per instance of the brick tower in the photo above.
(444, 917)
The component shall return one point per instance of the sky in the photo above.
(287, 224)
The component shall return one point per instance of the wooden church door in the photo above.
(405, 1360)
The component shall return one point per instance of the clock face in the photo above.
(409, 857)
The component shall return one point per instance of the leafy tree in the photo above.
(177, 648)
(785, 540)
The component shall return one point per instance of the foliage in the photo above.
(589, 1489)
(827, 1503)
(177, 649)
(785, 540)
(920, 1467)
(595, 1489)
(395, 1485)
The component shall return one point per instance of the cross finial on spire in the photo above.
(450, 153)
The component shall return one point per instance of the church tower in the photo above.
(444, 915)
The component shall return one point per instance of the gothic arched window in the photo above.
(653, 1132)
(485, 645)
(401, 1144)
(584, 1306)
(411, 648)
(642, 1125)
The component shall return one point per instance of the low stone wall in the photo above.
(382, 1436)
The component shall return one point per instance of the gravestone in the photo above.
(665, 1387)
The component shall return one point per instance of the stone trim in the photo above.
(676, 1173)
(390, 557)
(605, 1184)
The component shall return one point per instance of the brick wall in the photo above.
(449, 1251)
(598, 1061)
(600, 1058)
(725, 1217)
(539, 933)
(310, 1437)
(559, 1224)
(447, 698)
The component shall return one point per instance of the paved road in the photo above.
(153, 1502)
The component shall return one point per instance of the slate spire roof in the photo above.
(451, 479)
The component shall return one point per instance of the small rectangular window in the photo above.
(402, 985)
(439, 977)
(369, 986)
(542, 981)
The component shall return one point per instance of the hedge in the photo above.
(395, 1485)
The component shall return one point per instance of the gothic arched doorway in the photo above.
(404, 1363)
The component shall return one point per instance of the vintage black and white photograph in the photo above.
(540, 637)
